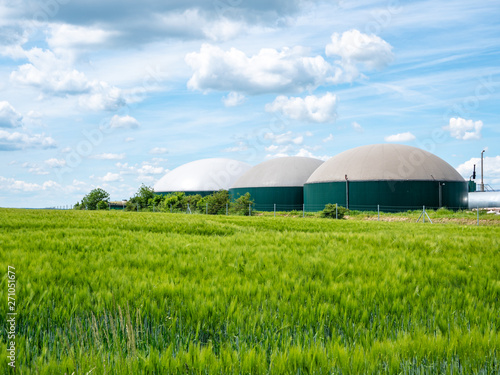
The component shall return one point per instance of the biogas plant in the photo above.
(388, 177)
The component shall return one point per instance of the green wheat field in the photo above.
(101, 292)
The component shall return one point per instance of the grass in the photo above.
(145, 293)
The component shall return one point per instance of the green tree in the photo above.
(92, 199)
(102, 205)
(141, 199)
(240, 205)
(214, 204)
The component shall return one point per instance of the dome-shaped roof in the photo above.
(202, 175)
(385, 162)
(284, 171)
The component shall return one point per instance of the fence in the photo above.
(421, 214)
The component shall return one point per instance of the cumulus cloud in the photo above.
(53, 75)
(328, 139)
(460, 128)
(109, 156)
(9, 117)
(127, 122)
(357, 50)
(491, 165)
(158, 151)
(67, 36)
(312, 108)
(233, 99)
(11, 184)
(111, 177)
(55, 163)
(358, 128)
(19, 141)
(284, 138)
(268, 71)
(400, 137)
(144, 172)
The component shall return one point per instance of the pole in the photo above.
(275, 210)
(423, 212)
(478, 215)
(378, 211)
(303, 210)
(482, 174)
(336, 211)
(346, 192)
(227, 208)
(440, 195)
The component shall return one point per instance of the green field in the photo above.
(104, 292)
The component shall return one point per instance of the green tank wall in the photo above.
(286, 198)
(202, 193)
(390, 195)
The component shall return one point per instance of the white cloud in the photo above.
(9, 117)
(158, 151)
(284, 138)
(268, 71)
(20, 141)
(109, 156)
(111, 177)
(54, 75)
(328, 139)
(55, 163)
(311, 108)
(358, 128)
(491, 166)
(356, 49)
(233, 99)
(124, 122)
(144, 171)
(460, 128)
(65, 36)
(400, 137)
(129, 139)
(12, 184)
(306, 153)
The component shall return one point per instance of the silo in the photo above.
(278, 181)
(394, 177)
(203, 177)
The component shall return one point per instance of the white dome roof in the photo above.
(202, 175)
(385, 162)
(285, 171)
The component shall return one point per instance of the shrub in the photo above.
(331, 212)
(216, 203)
(102, 205)
(240, 205)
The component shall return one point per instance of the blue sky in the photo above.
(113, 93)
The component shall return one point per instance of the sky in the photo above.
(114, 94)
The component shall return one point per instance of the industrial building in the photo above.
(392, 176)
(203, 177)
(277, 182)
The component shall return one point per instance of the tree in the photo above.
(102, 205)
(216, 203)
(92, 199)
(141, 199)
(240, 205)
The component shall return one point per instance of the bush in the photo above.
(331, 212)
(216, 203)
(240, 205)
(102, 205)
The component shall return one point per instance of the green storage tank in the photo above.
(277, 182)
(394, 177)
